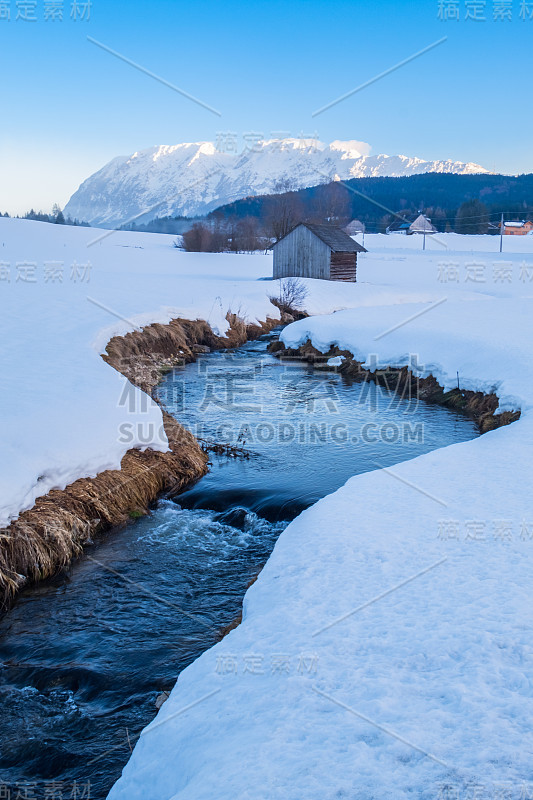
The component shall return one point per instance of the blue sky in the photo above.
(68, 106)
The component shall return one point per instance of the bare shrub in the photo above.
(291, 295)
(205, 238)
(222, 236)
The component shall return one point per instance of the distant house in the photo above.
(519, 228)
(398, 227)
(316, 251)
(408, 226)
(354, 227)
(422, 225)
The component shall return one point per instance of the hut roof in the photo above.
(421, 224)
(355, 226)
(335, 238)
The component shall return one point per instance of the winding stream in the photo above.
(84, 657)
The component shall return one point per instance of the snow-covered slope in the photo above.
(190, 179)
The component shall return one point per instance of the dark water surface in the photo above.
(83, 657)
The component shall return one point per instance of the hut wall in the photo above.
(343, 267)
(301, 254)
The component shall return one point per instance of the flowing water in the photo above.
(84, 657)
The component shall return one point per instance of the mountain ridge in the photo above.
(194, 178)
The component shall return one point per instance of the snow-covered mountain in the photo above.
(195, 178)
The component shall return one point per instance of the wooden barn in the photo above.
(316, 251)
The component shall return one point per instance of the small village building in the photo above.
(316, 251)
(354, 227)
(421, 224)
(519, 228)
(398, 227)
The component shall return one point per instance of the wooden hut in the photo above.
(316, 251)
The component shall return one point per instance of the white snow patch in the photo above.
(336, 361)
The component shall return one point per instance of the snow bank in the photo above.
(386, 646)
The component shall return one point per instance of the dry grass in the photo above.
(142, 355)
(46, 538)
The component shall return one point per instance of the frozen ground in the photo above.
(386, 647)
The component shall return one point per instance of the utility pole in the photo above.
(426, 223)
(501, 233)
(364, 226)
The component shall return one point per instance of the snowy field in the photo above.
(65, 291)
(386, 648)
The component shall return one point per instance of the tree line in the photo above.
(56, 217)
(469, 204)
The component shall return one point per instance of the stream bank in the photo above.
(481, 407)
(45, 538)
(85, 656)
